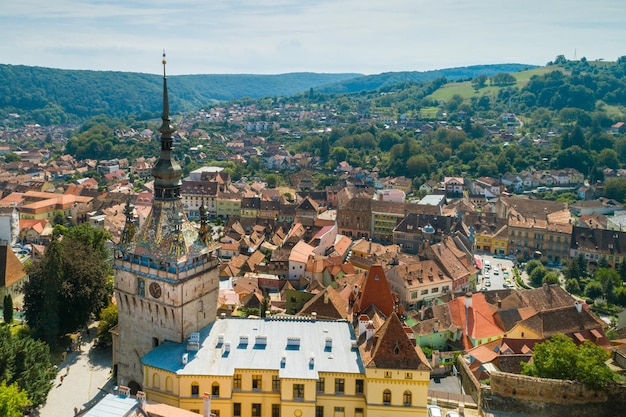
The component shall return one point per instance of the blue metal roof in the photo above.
(297, 348)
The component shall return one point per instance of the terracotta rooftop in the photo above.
(375, 291)
(391, 348)
(11, 269)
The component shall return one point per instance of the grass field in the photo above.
(465, 89)
(429, 112)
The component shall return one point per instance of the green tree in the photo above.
(455, 101)
(615, 188)
(41, 293)
(536, 277)
(593, 290)
(503, 79)
(551, 278)
(417, 165)
(531, 265)
(560, 358)
(58, 218)
(26, 362)
(575, 138)
(325, 149)
(339, 154)
(12, 157)
(13, 401)
(387, 140)
(479, 82)
(272, 180)
(572, 286)
(621, 269)
(608, 158)
(609, 279)
(108, 320)
(7, 310)
(69, 283)
(620, 296)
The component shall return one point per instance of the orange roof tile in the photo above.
(376, 292)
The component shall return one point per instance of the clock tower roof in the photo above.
(167, 236)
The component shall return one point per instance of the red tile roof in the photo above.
(375, 291)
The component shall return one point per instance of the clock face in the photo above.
(155, 290)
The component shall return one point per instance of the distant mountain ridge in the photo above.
(55, 96)
(374, 82)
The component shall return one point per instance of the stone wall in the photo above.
(469, 382)
(548, 397)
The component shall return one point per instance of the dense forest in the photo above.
(53, 96)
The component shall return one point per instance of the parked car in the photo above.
(434, 411)
(487, 283)
(452, 414)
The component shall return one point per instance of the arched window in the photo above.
(407, 398)
(169, 384)
(195, 389)
(156, 381)
(215, 390)
(386, 397)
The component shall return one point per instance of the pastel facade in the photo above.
(280, 367)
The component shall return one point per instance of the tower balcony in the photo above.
(171, 272)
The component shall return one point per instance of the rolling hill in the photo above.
(54, 96)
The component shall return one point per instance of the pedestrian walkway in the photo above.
(83, 378)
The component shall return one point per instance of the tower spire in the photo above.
(128, 233)
(167, 172)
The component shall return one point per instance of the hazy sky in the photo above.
(279, 36)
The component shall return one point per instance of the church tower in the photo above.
(166, 272)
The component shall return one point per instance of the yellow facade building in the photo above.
(291, 367)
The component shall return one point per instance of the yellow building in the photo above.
(228, 204)
(290, 367)
(493, 241)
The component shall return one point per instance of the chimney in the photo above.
(124, 391)
(579, 306)
(141, 397)
(326, 297)
(468, 300)
(422, 311)
(185, 358)
(363, 319)
(207, 404)
(314, 316)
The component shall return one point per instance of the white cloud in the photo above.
(276, 36)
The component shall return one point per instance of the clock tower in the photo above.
(166, 272)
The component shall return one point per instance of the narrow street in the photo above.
(83, 378)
